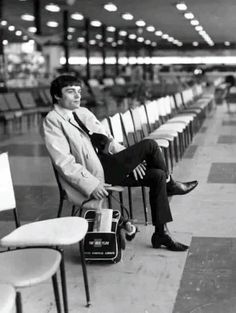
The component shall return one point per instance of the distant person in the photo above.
(69, 132)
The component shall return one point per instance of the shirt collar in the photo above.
(63, 111)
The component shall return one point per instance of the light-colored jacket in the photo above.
(72, 153)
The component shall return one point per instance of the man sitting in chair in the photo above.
(87, 159)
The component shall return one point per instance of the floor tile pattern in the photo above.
(208, 283)
(224, 173)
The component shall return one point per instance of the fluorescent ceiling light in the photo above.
(5, 42)
(77, 16)
(71, 29)
(52, 24)
(150, 28)
(199, 28)
(132, 36)
(127, 16)
(195, 43)
(110, 7)
(28, 17)
(181, 6)
(122, 33)
(80, 39)
(110, 39)
(18, 33)
(111, 29)
(98, 36)
(189, 15)
(92, 42)
(147, 42)
(11, 28)
(140, 23)
(158, 33)
(227, 43)
(140, 39)
(3, 23)
(95, 23)
(32, 29)
(194, 22)
(52, 7)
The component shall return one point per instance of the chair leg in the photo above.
(56, 292)
(144, 205)
(18, 302)
(109, 200)
(73, 210)
(130, 203)
(60, 206)
(63, 282)
(83, 263)
(121, 203)
(17, 221)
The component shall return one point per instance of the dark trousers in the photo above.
(118, 170)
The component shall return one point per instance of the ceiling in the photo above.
(218, 19)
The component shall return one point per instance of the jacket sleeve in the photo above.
(59, 150)
(97, 127)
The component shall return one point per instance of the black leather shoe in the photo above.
(179, 188)
(167, 242)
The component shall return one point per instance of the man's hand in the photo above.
(140, 170)
(99, 192)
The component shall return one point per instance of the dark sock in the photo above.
(160, 229)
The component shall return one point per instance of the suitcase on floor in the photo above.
(100, 245)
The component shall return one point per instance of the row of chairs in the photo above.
(22, 110)
(35, 250)
(172, 121)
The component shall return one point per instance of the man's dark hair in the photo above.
(60, 82)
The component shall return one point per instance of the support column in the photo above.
(104, 40)
(117, 53)
(87, 51)
(65, 41)
(37, 21)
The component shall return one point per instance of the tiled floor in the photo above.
(147, 280)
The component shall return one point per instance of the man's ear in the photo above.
(57, 97)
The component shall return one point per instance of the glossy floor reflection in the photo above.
(146, 280)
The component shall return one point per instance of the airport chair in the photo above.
(14, 106)
(30, 107)
(165, 145)
(92, 204)
(29, 267)
(7, 298)
(6, 116)
(48, 233)
(155, 129)
(118, 134)
(8, 202)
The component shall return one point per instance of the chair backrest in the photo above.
(116, 128)
(106, 125)
(7, 194)
(178, 101)
(152, 114)
(138, 126)
(3, 104)
(12, 101)
(144, 120)
(27, 100)
(128, 127)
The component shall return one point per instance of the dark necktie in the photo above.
(81, 124)
(99, 141)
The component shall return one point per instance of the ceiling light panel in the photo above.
(127, 16)
(77, 16)
(52, 7)
(110, 7)
(27, 17)
(52, 24)
(181, 6)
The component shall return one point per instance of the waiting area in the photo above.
(146, 279)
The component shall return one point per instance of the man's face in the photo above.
(71, 96)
